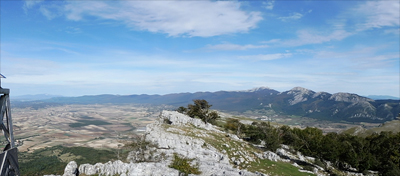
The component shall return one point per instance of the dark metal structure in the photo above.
(9, 155)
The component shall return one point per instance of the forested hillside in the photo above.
(378, 152)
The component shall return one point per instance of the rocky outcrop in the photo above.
(179, 119)
(299, 95)
(126, 169)
(350, 98)
(182, 135)
(215, 152)
(71, 169)
(175, 139)
(339, 106)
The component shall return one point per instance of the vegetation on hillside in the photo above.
(52, 160)
(184, 166)
(378, 152)
(200, 109)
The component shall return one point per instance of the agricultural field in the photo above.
(107, 125)
(97, 126)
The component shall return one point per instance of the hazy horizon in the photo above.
(54, 95)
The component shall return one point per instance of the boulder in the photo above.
(70, 169)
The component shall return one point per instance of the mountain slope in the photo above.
(297, 101)
(382, 97)
(213, 151)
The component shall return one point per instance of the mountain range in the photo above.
(297, 101)
(34, 97)
(382, 97)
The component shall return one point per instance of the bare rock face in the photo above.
(351, 98)
(213, 151)
(70, 169)
(127, 169)
(300, 95)
(173, 138)
(177, 118)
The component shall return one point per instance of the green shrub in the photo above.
(183, 165)
(50, 160)
(308, 168)
(200, 109)
(181, 109)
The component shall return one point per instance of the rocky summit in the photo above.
(207, 147)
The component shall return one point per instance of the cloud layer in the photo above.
(174, 18)
(151, 47)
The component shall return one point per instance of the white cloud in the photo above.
(266, 56)
(47, 12)
(30, 4)
(73, 30)
(31, 67)
(175, 18)
(234, 47)
(364, 59)
(272, 41)
(378, 14)
(293, 16)
(269, 5)
(392, 31)
(308, 37)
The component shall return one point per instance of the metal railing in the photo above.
(9, 156)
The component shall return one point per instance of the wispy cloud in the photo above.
(293, 16)
(175, 18)
(393, 31)
(73, 30)
(48, 12)
(29, 66)
(305, 37)
(269, 4)
(266, 56)
(360, 59)
(378, 14)
(29, 4)
(271, 41)
(233, 47)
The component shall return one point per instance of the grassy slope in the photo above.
(52, 160)
(393, 126)
(240, 149)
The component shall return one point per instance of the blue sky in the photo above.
(75, 48)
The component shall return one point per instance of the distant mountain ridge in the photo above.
(34, 97)
(382, 97)
(297, 101)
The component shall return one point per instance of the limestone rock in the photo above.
(300, 95)
(272, 156)
(348, 97)
(180, 119)
(127, 169)
(70, 169)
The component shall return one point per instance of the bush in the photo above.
(141, 150)
(200, 109)
(183, 165)
(181, 109)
